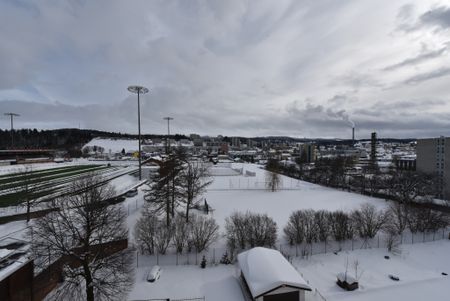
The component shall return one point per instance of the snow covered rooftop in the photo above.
(265, 270)
(114, 145)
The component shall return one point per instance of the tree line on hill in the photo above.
(64, 139)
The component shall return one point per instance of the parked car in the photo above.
(154, 273)
(131, 193)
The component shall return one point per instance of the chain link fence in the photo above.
(214, 256)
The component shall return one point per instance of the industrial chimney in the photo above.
(353, 135)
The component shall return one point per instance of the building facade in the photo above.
(433, 156)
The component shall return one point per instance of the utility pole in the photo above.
(12, 115)
(139, 90)
(168, 133)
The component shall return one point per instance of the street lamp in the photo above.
(139, 90)
(168, 133)
(12, 115)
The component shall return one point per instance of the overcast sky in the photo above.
(251, 68)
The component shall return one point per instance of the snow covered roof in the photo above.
(114, 145)
(265, 270)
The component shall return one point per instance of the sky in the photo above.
(300, 68)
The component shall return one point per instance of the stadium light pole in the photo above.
(139, 90)
(12, 115)
(168, 132)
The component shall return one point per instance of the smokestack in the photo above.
(353, 135)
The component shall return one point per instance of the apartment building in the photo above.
(433, 156)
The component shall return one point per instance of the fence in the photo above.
(168, 299)
(213, 256)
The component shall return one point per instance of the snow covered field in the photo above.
(228, 194)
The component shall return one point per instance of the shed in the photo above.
(268, 276)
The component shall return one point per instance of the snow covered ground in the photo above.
(228, 194)
(7, 169)
(419, 268)
(182, 282)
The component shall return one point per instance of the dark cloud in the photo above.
(438, 16)
(416, 79)
(422, 57)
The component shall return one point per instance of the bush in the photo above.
(145, 232)
(181, 233)
(204, 231)
(368, 220)
(301, 227)
(203, 262)
(341, 226)
(250, 230)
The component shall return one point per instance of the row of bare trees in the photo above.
(401, 185)
(153, 235)
(313, 226)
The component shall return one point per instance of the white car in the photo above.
(154, 273)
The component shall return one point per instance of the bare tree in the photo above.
(323, 225)
(301, 226)
(398, 218)
(368, 220)
(426, 220)
(236, 231)
(74, 233)
(341, 226)
(204, 231)
(250, 230)
(273, 179)
(163, 236)
(262, 230)
(145, 231)
(194, 179)
(295, 229)
(181, 234)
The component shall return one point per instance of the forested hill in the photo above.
(68, 139)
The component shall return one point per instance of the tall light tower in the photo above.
(168, 132)
(139, 90)
(12, 115)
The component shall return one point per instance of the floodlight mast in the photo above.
(168, 133)
(139, 90)
(12, 115)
